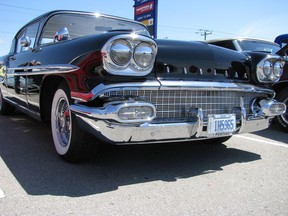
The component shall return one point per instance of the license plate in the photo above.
(221, 125)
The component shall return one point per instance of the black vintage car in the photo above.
(98, 77)
(263, 48)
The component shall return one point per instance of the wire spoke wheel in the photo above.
(63, 122)
(71, 142)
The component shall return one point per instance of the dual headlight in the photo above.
(269, 70)
(129, 55)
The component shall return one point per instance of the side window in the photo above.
(18, 46)
(225, 44)
(31, 32)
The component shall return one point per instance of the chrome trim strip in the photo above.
(41, 70)
(183, 85)
(201, 85)
(99, 89)
(24, 109)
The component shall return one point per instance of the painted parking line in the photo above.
(2, 194)
(262, 141)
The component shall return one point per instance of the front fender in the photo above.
(277, 87)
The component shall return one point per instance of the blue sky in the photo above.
(176, 19)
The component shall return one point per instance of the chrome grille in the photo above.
(173, 105)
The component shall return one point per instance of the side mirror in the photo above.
(25, 41)
(62, 35)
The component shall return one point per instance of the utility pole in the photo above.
(204, 32)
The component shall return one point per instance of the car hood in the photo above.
(187, 60)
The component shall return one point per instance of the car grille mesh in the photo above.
(173, 105)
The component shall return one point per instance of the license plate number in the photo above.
(221, 125)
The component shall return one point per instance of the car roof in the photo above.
(240, 39)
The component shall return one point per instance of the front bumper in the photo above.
(104, 123)
(157, 133)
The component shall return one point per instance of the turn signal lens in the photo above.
(277, 108)
(136, 113)
(272, 107)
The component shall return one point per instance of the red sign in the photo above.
(145, 8)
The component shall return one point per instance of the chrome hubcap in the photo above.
(63, 122)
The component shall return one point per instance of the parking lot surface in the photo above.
(247, 175)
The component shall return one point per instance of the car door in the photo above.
(18, 65)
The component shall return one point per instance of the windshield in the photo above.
(258, 46)
(79, 25)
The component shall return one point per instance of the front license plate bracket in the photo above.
(221, 125)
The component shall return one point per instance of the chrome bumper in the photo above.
(101, 123)
(157, 133)
(106, 123)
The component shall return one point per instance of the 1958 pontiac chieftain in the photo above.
(98, 77)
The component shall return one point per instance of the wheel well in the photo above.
(49, 87)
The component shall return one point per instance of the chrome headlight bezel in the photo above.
(143, 53)
(270, 69)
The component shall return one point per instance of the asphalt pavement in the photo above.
(247, 175)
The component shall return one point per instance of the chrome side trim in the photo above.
(42, 70)
(25, 110)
